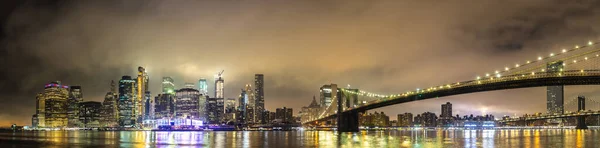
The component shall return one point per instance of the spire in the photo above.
(113, 87)
(314, 102)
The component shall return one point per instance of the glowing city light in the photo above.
(564, 50)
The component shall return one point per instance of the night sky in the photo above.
(379, 46)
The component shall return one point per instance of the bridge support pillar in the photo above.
(581, 119)
(348, 121)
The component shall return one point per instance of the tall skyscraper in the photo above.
(259, 96)
(328, 94)
(447, 110)
(51, 106)
(168, 85)
(75, 97)
(142, 88)
(127, 97)
(203, 86)
(241, 108)
(555, 94)
(164, 106)
(148, 106)
(187, 104)
(219, 82)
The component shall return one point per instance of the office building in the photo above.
(219, 85)
(405, 120)
(168, 86)
(259, 95)
(164, 107)
(127, 98)
(427, 119)
(51, 106)
(447, 110)
(148, 106)
(214, 110)
(110, 110)
(187, 104)
(310, 112)
(555, 94)
(328, 94)
(75, 97)
(90, 114)
(241, 115)
(141, 89)
(285, 115)
(203, 86)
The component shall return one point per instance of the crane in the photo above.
(220, 73)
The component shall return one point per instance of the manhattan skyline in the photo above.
(298, 46)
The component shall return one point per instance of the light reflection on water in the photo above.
(389, 138)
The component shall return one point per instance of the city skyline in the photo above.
(384, 58)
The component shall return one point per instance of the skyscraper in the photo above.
(148, 106)
(214, 110)
(555, 94)
(110, 110)
(51, 106)
(168, 85)
(142, 88)
(250, 102)
(259, 96)
(75, 97)
(187, 104)
(90, 114)
(203, 86)
(328, 94)
(447, 110)
(241, 108)
(127, 97)
(219, 82)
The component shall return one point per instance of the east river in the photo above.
(543, 138)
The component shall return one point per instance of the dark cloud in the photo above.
(380, 46)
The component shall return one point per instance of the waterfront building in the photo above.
(241, 116)
(310, 112)
(148, 106)
(90, 114)
(141, 89)
(405, 120)
(51, 106)
(214, 110)
(127, 98)
(259, 99)
(164, 107)
(374, 119)
(75, 97)
(427, 119)
(203, 86)
(446, 118)
(555, 94)
(187, 103)
(285, 115)
(110, 110)
(168, 85)
(230, 110)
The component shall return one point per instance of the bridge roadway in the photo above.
(567, 115)
(571, 77)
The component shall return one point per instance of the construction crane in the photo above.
(220, 73)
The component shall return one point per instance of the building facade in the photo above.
(141, 89)
(90, 114)
(164, 107)
(168, 85)
(405, 120)
(555, 94)
(187, 104)
(328, 94)
(259, 96)
(110, 110)
(285, 115)
(203, 86)
(214, 110)
(52, 107)
(75, 97)
(127, 98)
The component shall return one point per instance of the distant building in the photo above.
(241, 116)
(168, 85)
(187, 104)
(203, 86)
(250, 102)
(555, 94)
(230, 110)
(189, 85)
(310, 112)
(141, 89)
(427, 119)
(214, 110)
(374, 119)
(90, 114)
(446, 118)
(259, 95)
(164, 106)
(52, 107)
(219, 85)
(110, 110)
(148, 106)
(328, 94)
(75, 97)
(127, 96)
(405, 120)
(285, 115)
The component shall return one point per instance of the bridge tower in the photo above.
(581, 107)
(346, 121)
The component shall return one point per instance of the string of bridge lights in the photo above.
(497, 73)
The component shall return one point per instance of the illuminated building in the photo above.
(51, 106)
(90, 114)
(187, 104)
(374, 119)
(203, 86)
(446, 118)
(427, 119)
(142, 88)
(214, 110)
(219, 82)
(230, 109)
(148, 106)
(310, 112)
(249, 104)
(405, 119)
(127, 97)
(189, 85)
(555, 94)
(75, 97)
(164, 107)
(241, 116)
(285, 115)
(328, 93)
(110, 108)
(168, 85)
(259, 97)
